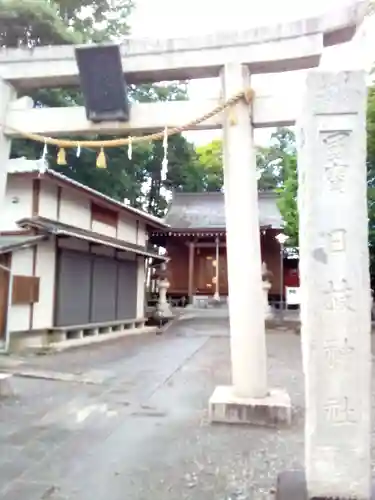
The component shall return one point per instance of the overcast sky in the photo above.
(168, 18)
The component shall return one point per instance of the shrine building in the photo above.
(196, 236)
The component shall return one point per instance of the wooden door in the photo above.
(4, 287)
(205, 277)
(206, 273)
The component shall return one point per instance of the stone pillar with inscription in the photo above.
(335, 290)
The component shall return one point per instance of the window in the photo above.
(104, 215)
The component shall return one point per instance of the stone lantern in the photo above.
(266, 285)
(163, 310)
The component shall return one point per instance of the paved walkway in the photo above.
(139, 429)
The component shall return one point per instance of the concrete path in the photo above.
(140, 432)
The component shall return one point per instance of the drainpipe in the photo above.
(9, 304)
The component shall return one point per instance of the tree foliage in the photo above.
(50, 22)
(269, 162)
(210, 158)
(32, 23)
(287, 201)
(282, 156)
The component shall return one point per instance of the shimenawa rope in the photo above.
(63, 144)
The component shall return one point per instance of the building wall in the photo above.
(102, 228)
(74, 209)
(35, 261)
(18, 202)
(71, 207)
(45, 269)
(67, 204)
(49, 200)
(64, 205)
(26, 197)
(126, 230)
(40, 261)
(22, 264)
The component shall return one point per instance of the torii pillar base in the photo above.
(271, 411)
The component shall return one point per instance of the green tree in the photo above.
(267, 169)
(50, 22)
(287, 201)
(183, 170)
(33, 22)
(46, 22)
(210, 159)
(278, 164)
(271, 160)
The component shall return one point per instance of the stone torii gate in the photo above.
(334, 106)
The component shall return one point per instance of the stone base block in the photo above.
(291, 485)
(273, 410)
(268, 314)
(164, 312)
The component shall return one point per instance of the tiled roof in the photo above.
(207, 211)
(9, 243)
(59, 229)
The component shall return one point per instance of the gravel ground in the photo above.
(143, 432)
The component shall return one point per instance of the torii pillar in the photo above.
(249, 399)
(7, 94)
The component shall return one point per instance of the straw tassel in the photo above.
(249, 95)
(101, 161)
(164, 163)
(45, 152)
(61, 157)
(232, 116)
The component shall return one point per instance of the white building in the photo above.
(76, 258)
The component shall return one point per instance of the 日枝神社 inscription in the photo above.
(340, 411)
(335, 154)
(337, 351)
(339, 296)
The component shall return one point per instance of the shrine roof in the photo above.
(206, 211)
